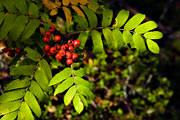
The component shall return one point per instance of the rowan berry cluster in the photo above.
(59, 48)
(11, 52)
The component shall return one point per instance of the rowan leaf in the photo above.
(119, 38)
(80, 81)
(26, 70)
(8, 107)
(10, 116)
(21, 5)
(78, 104)
(112, 43)
(107, 17)
(74, 2)
(64, 85)
(49, 4)
(32, 103)
(66, 2)
(83, 2)
(64, 74)
(121, 18)
(33, 10)
(32, 54)
(134, 21)
(82, 23)
(97, 42)
(24, 112)
(139, 43)
(153, 46)
(78, 11)
(153, 35)
(12, 95)
(67, 13)
(69, 95)
(83, 36)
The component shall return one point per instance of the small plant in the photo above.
(40, 41)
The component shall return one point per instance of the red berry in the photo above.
(46, 48)
(9, 49)
(63, 47)
(68, 55)
(62, 52)
(69, 61)
(47, 34)
(57, 38)
(18, 50)
(74, 56)
(66, 45)
(71, 48)
(10, 53)
(49, 54)
(53, 50)
(58, 57)
(58, 47)
(5, 49)
(52, 29)
(77, 43)
(46, 39)
(70, 42)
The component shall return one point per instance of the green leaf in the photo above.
(37, 91)
(12, 95)
(112, 43)
(32, 54)
(69, 95)
(25, 112)
(64, 86)
(16, 84)
(9, 5)
(92, 18)
(134, 21)
(107, 17)
(64, 74)
(44, 17)
(139, 43)
(21, 5)
(32, 103)
(78, 104)
(18, 27)
(22, 70)
(127, 36)
(83, 36)
(79, 72)
(9, 107)
(81, 81)
(84, 100)
(83, 90)
(45, 66)
(42, 79)
(2, 16)
(153, 35)
(153, 46)
(145, 27)
(30, 29)
(10, 116)
(117, 35)
(121, 18)
(82, 23)
(97, 42)
(33, 10)
(7, 25)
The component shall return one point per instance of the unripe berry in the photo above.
(46, 48)
(58, 47)
(74, 56)
(52, 29)
(62, 52)
(70, 42)
(69, 61)
(68, 55)
(71, 48)
(53, 50)
(58, 57)
(46, 39)
(18, 50)
(76, 43)
(57, 38)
